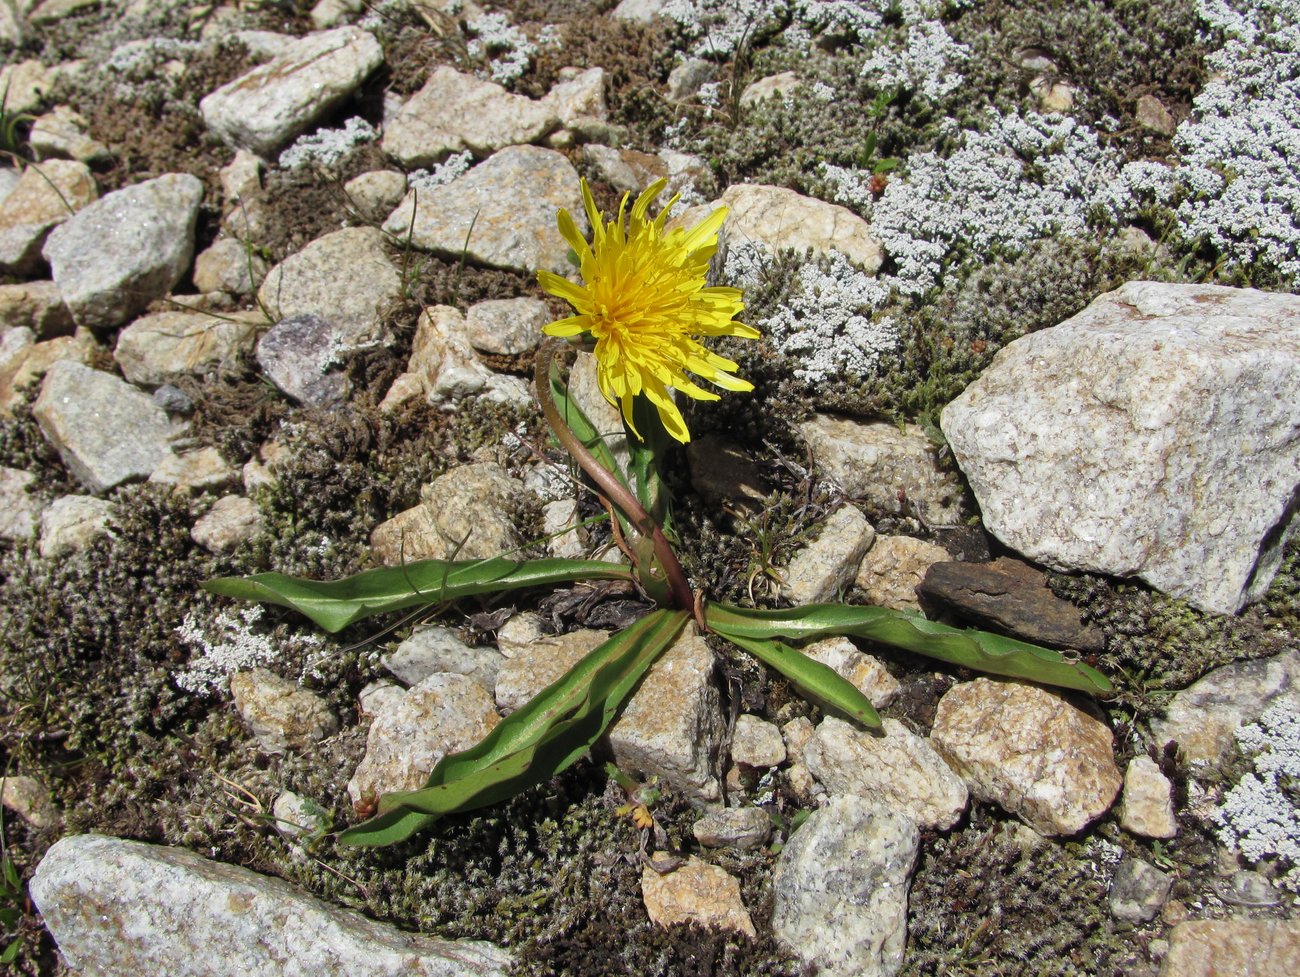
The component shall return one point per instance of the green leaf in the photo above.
(11, 951)
(534, 743)
(812, 678)
(335, 604)
(979, 650)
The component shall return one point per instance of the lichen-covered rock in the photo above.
(899, 768)
(106, 431)
(893, 569)
(696, 892)
(118, 254)
(443, 714)
(1138, 891)
(1236, 947)
(1153, 435)
(299, 354)
(1147, 808)
(123, 908)
(826, 566)
(1028, 751)
(264, 109)
(840, 888)
(280, 713)
(156, 347)
(501, 213)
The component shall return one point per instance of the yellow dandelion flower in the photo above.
(644, 301)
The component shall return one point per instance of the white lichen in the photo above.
(925, 66)
(226, 643)
(422, 181)
(1260, 816)
(506, 48)
(325, 147)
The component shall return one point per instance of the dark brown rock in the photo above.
(1011, 596)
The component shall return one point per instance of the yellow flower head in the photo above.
(644, 301)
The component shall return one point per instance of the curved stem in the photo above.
(608, 485)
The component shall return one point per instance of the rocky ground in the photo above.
(1026, 276)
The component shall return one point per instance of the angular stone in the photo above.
(1138, 892)
(37, 306)
(298, 354)
(465, 512)
(1203, 718)
(1155, 434)
(266, 108)
(281, 714)
(157, 347)
(507, 326)
(106, 431)
(24, 362)
(18, 510)
(229, 266)
(376, 193)
(201, 470)
(1151, 114)
(344, 277)
(30, 800)
(1233, 948)
(891, 471)
(233, 519)
(443, 714)
(61, 134)
(46, 195)
(454, 112)
(756, 742)
(25, 84)
(510, 200)
(840, 888)
(641, 11)
(115, 256)
(1028, 751)
(898, 768)
(780, 218)
(697, 893)
(560, 523)
(825, 567)
(769, 87)
(443, 368)
(1010, 596)
(298, 817)
(735, 827)
(72, 522)
(893, 569)
(534, 660)
(1147, 808)
(631, 171)
(122, 909)
(430, 650)
(49, 11)
(865, 673)
(687, 78)
(578, 98)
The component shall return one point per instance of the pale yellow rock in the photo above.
(1233, 948)
(697, 893)
(894, 567)
(1147, 808)
(866, 674)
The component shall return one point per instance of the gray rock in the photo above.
(686, 79)
(46, 195)
(115, 256)
(1147, 808)
(19, 511)
(866, 674)
(266, 108)
(1028, 751)
(201, 470)
(173, 399)
(825, 567)
(1151, 114)
(510, 200)
(9, 177)
(106, 431)
(560, 523)
(30, 800)
(49, 11)
(37, 306)
(893, 569)
(299, 817)
(578, 99)
(841, 889)
(696, 893)
(298, 353)
(756, 742)
(1234, 947)
(454, 112)
(464, 514)
(233, 519)
(122, 908)
(1155, 434)
(769, 87)
(1203, 718)
(156, 347)
(640, 11)
(1249, 888)
(229, 266)
(24, 362)
(631, 171)
(898, 768)
(61, 134)
(507, 326)
(72, 522)
(376, 193)
(1138, 892)
(280, 713)
(27, 83)
(430, 650)
(892, 471)
(736, 827)
(443, 714)
(344, 277)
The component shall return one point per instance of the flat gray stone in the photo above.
(106, 431)
(344, 277)
(430, 650)
(299, 355)
(46, 195)
(840, 888)
(123, 908)
(825, 567)
(1156, 435)
(454, 112)
(737, 827)
(501, 213)
(117, 255)
(156, 347)
(507, 326)
(266, 108)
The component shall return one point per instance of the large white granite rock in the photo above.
(1156, 434)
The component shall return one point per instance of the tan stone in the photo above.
(825, 567)
(156, 347)
(697, 893)
(1147, 808)
(465, 515)
(866, 674)
(281, 714)
(1233, 948)
(23, 363)
(46, 194)
(894, 567)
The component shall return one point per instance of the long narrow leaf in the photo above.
(812, 678)
(531, 745)
(979, 650)
(335, 604)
